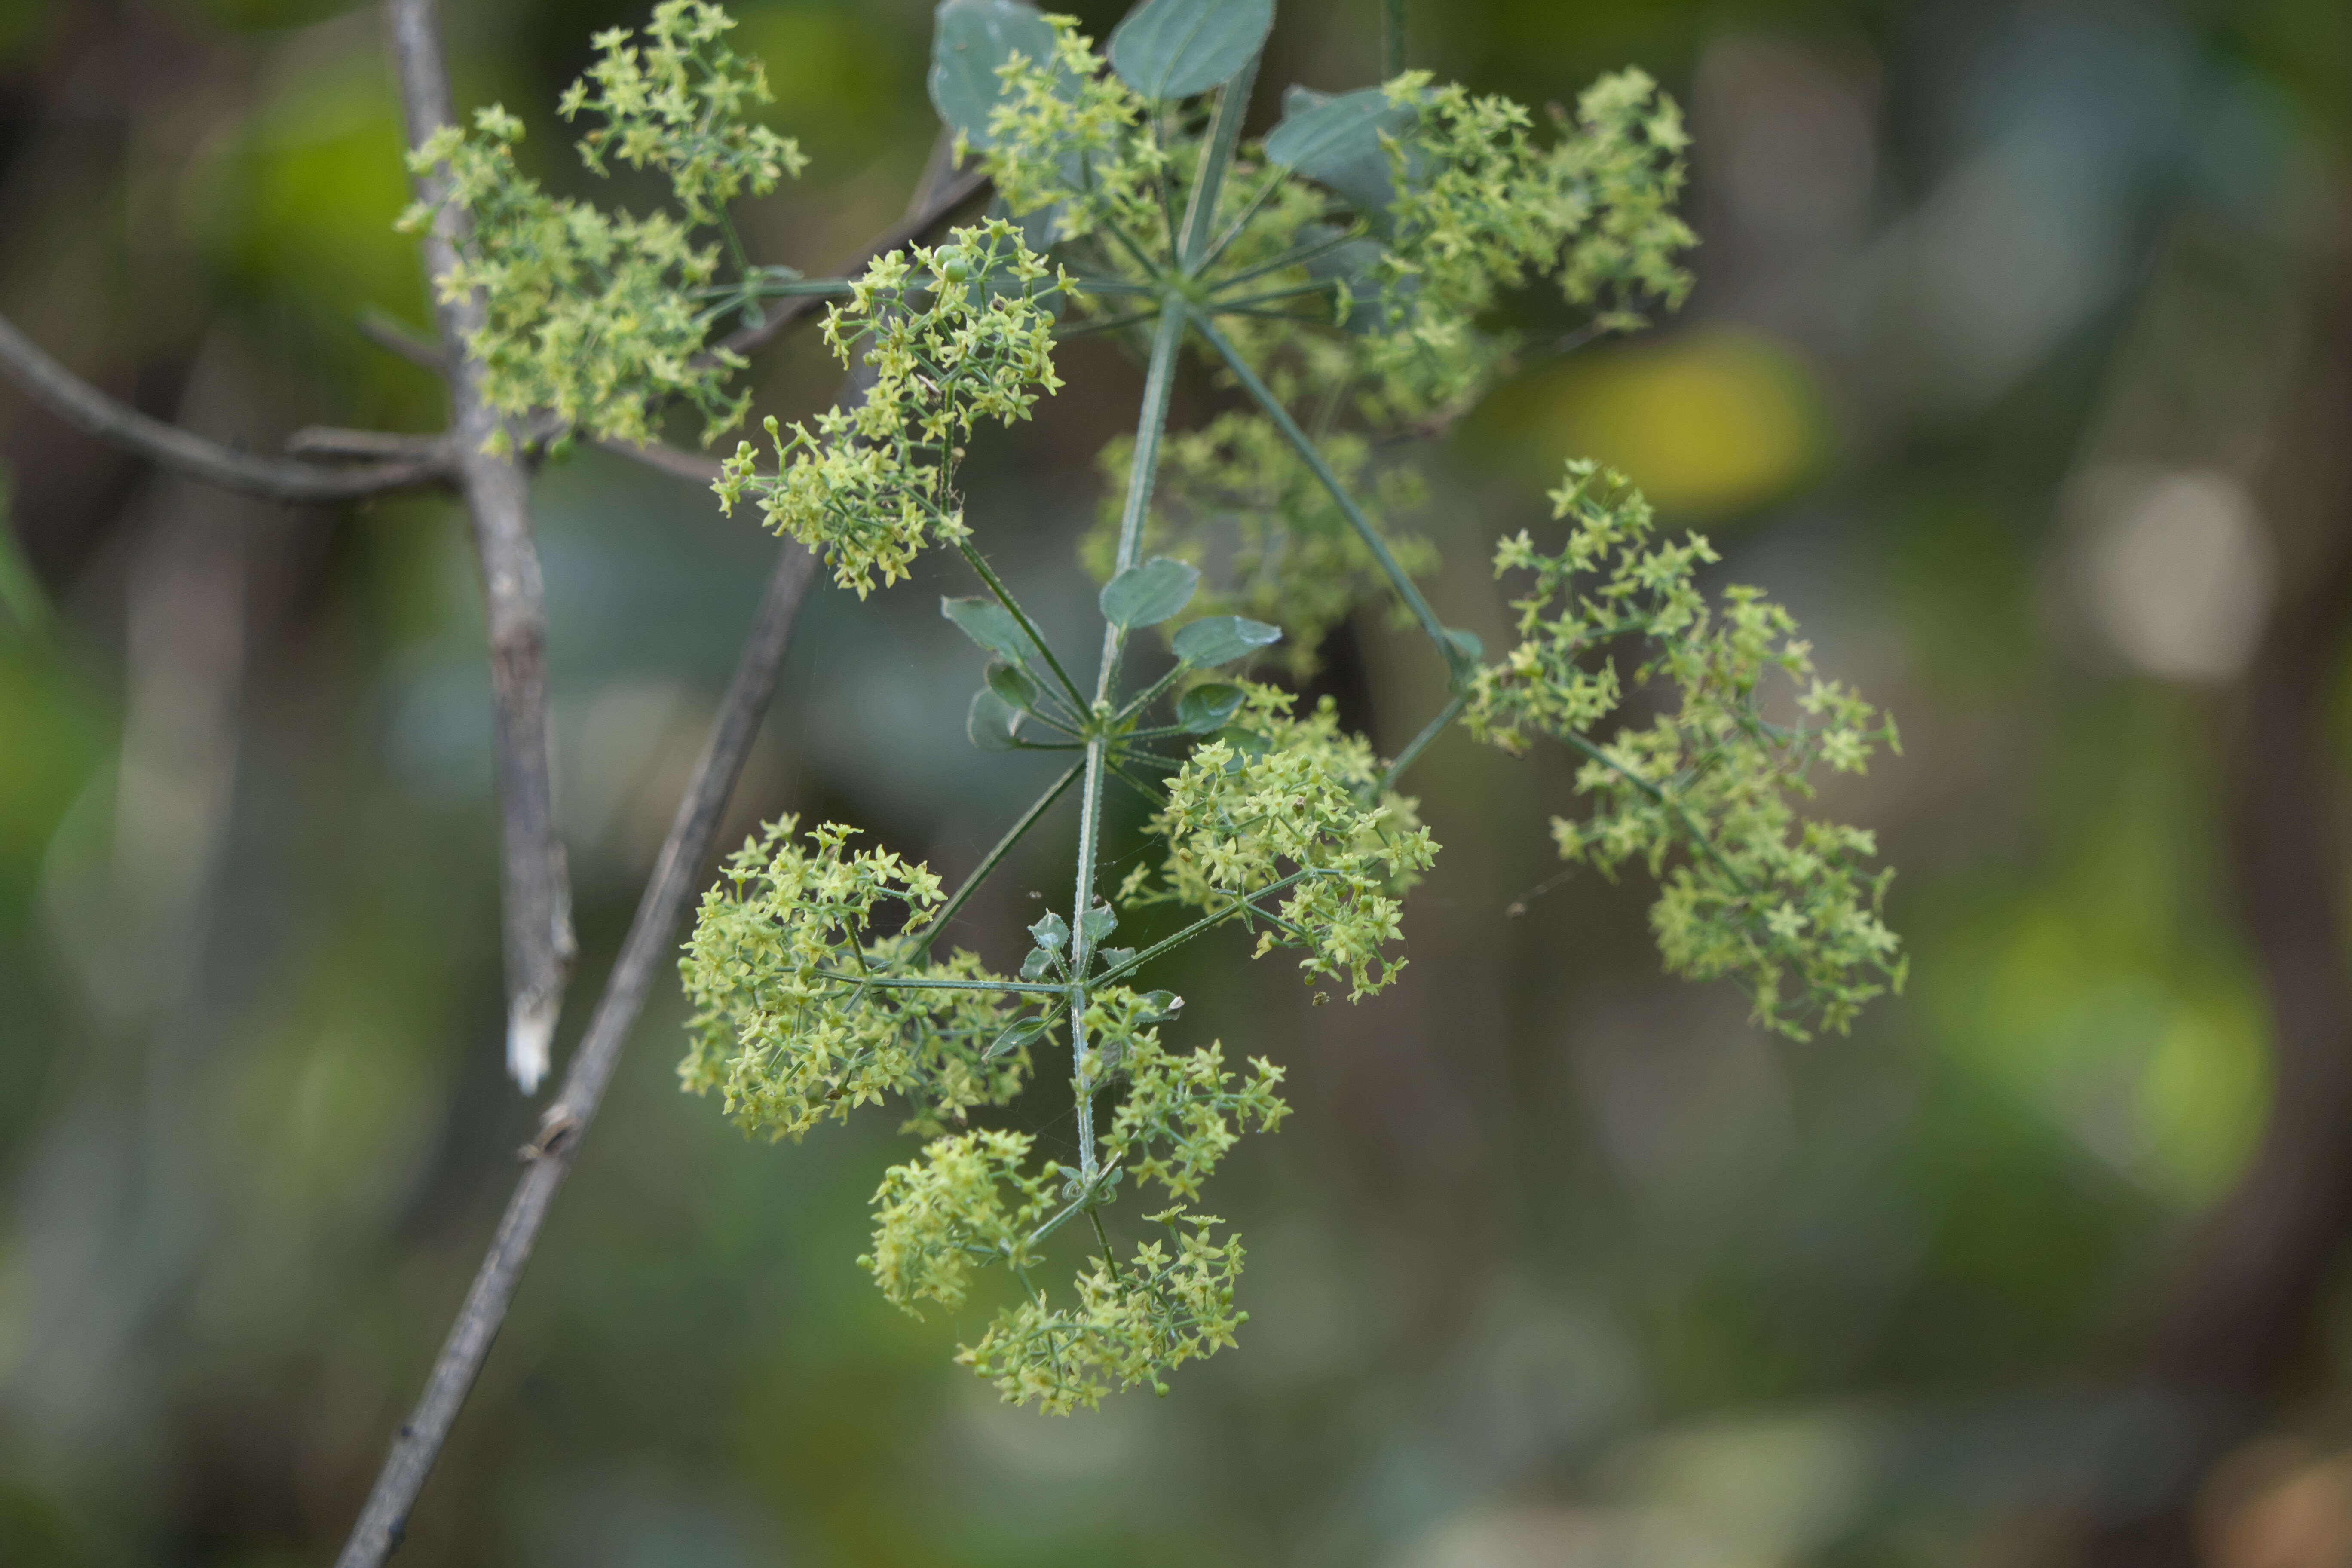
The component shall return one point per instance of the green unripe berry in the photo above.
(952, 265)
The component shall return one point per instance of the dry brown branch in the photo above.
(646, 949)
(85, 407)
(538, 891)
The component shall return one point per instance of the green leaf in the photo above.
(1147, 595)
(1205, 707)
(1018, 1036)
(990, 625)
(970, 39)
(1052, 933)
(1470, 643)
(1012, 682)
(1112, 957)
(992, 721)
(1164, 1005)
(1033, 967)
(1213, 640)
(1174, 48)
(1336, 142)
(1098, 922)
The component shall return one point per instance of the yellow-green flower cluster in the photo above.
(790, 1021)
(967, 1202)
(681, 104)
(938, 1217)
(1617, 180)
(1068, 135)
(1168, 1303)
(601, 317)
(1481, 208)
(1235, 500)
(589, 314)
(954, 335)
(1184, 1114)
(1277, 796)
(1787, 905)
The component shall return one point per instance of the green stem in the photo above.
(1094, 1215)
(1152, 693)
(1142, 259)
(1139, 786)
(1391, 39)
(1245, 901)
(1420, 743)
(1458, 661)
(1319, 285)
(1265, 189)
(1225, 131)
(885, 983)
(1299, 256)
(1036, 638)
(780, 287)
(1705, 843)
(1159, 385)
(1103, 324)
(1013, 836)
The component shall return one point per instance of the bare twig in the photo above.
(537, 891)
(940, 201)
(391, 335)
(334, 441)
(646, 949)
(645, 953)
(671, 460)
(83, 405)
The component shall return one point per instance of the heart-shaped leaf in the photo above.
(991, 723)
(990, 625)
(1012, 682)
(1205, 708)
(1336, 142)
(1213, 640)
(1052, 933)
(1174, 48)
(970, 39)
(1147, 595)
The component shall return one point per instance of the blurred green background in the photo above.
(2016, 366)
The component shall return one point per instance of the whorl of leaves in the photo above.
(1705, 795)
(1235, 500)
